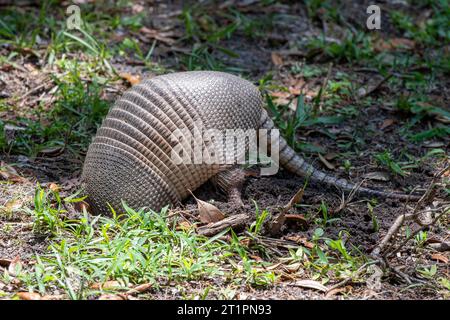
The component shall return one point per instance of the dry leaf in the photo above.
(387, 123)
(8, 173)
(140, 288)
(158, 35)
(15, 266)
(331, 156)
(208, 212)
(54, 297)
(293, 267)
(276, 59)
(335, 291)
(439, 257)
(395, 43)
(54, 187)
(111, 297)
(29, 296)
(184, 225)
(131, 78)
(12, 205)
(81, 205)
(5, 263)
(112, 284)
(326, 163)
(51, 152)
(311, 284)
(301, 240)
(294, 200)
(377, 176)
(297, 217)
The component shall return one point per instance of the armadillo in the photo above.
(131, 157)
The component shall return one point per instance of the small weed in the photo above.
(386, 159)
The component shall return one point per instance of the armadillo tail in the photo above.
(294, 163)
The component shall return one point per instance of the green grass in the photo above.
(132, 247)
(70, 124)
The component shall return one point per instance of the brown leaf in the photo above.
(301, 240)
(294, 200)
(331, 156)
(112, 297)
(326, 162)
(208, 212)
(280, 94)
(13, 204)
(276, 59)
(311, 284)
(5, 263)
(82, 205)
(439, 257)
(29, 296)
(387, 123)
(54, 297)
(377, 176)
(395, 43)
(158, 35)
(131, 78)
(184, 225)
(336, 291)
(51, 152)
(54, 187)
(140, 288)
(296, 217)
(15, 266)
(293, 267)
(112, 284)
(8, 173)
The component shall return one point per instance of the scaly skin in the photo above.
(130, 157)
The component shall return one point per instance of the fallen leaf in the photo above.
(311, 284)
(387, 123)
(336, 291)
(8, 173)
(112, 284)
(331, 156)
(208, 212)
(5, 263)
(162, 36)
(140, 288)
(293, 267)
(13, 204)
(326, 162)
(54, 297)
(377, 176)
(184, 225)
(51, 152)
(15, 266)
(54, 187)
(294, 200)
(29, 296)
(301, 240)
(81, 205)
(439, 257)
(392, 44)
(297, 217)
(131, 78)
(433, 144)
(276, 59)
(111, 297)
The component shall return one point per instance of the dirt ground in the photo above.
(377, 127)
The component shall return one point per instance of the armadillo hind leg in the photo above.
(231, 182)
(294, 163)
